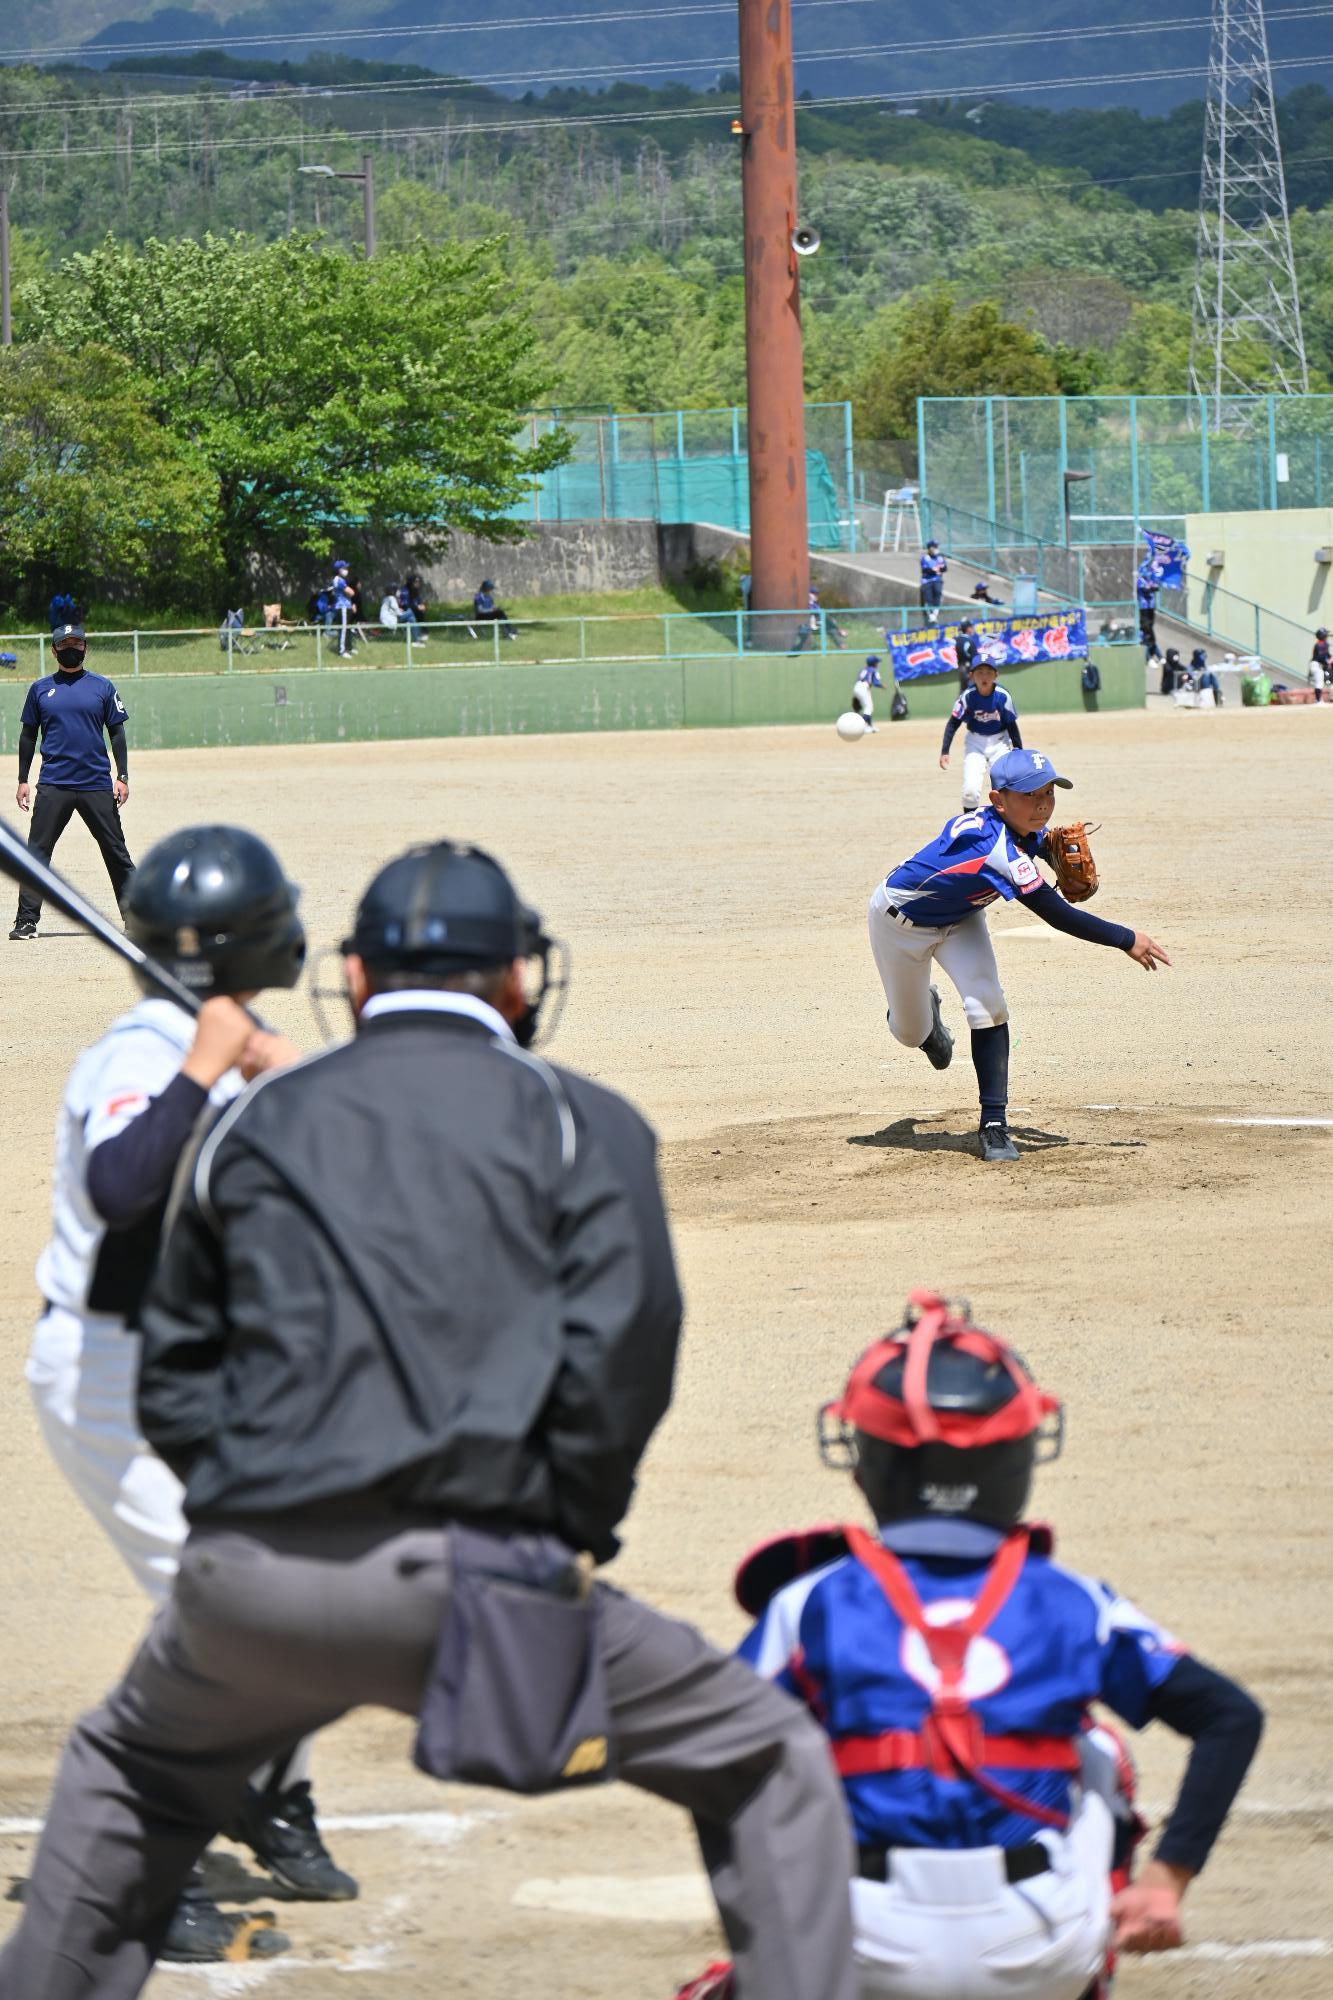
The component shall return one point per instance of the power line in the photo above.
(489, 25)
(332, 135)
(488, 79)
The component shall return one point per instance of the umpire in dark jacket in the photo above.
(418, 1285)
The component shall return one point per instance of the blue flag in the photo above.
(1165, 561)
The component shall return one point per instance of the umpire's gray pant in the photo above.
(277, 1628)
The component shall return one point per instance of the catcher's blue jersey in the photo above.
(986, 714)
(972, 861)
(1059, 1642)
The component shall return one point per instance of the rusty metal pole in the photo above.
(774, 374)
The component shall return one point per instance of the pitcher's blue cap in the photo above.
(1026, 771)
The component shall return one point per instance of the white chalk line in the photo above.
(1211, 1118)
(439, 1828)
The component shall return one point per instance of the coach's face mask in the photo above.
(71, 658)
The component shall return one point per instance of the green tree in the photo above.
(1152, 355)
(94, 490)
(319, 389)
(932, 346)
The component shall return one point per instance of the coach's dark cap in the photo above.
(59, 634)
(441, 908)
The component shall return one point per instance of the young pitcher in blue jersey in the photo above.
(952, 1663)
(932, 907)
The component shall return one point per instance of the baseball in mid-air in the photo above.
(851, 726)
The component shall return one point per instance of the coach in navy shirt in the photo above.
(74, 713)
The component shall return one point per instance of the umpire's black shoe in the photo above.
(995, 1143)
(938, 1044)
(202, 1934)
(279, 1827)
(22, 932)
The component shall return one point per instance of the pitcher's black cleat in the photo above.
(995, 1144)
(938, 1045)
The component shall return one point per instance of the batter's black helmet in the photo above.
(942, 1418)
(213, 905)
(448, 908)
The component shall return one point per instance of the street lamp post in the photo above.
(1071, 479)
(367, 180)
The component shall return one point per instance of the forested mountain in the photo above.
(958, 253)
(843, 46)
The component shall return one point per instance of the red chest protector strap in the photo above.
(952, 1743)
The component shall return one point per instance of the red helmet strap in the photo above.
(933, 1319)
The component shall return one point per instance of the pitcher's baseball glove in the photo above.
(1070, 855)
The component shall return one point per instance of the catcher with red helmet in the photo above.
(952, 1663)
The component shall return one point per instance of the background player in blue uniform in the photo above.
(952, 1661)
(933, 568)
(932, 906)
(863, 698)
(72, 711)
(985, 712)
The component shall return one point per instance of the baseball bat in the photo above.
(29, 870)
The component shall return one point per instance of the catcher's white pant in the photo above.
(947, 1925)
(904, 953)
(979, 753)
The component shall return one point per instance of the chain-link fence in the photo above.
(462, 642)
(687, 465)
(1135, 461)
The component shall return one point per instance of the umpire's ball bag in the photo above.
(517, 1691)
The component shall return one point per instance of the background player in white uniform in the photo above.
(863, 699)
(213, 904)
(986, 712)
(932, 906)
(952, 1663)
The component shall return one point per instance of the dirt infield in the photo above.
(1163, 1263)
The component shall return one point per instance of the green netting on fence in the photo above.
(1147, 459)
(687, 465)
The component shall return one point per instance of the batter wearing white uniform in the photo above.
(932, 906)
(986, 712)
(214, 904)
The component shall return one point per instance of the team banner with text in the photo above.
(1001, 642)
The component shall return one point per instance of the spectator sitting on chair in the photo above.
(810, 628)
(1321, 663)
(981, 594)
(410, 611)
(1203, 676)
(485, 607)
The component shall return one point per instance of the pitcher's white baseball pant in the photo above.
(948, 1926)
(904, 953)
(980, 753)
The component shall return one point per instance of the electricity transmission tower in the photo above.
(1245, 294)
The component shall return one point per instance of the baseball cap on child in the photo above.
(1025, 771)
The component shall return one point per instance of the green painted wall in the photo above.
(170, 712)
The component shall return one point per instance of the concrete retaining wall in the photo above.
(202, 711)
